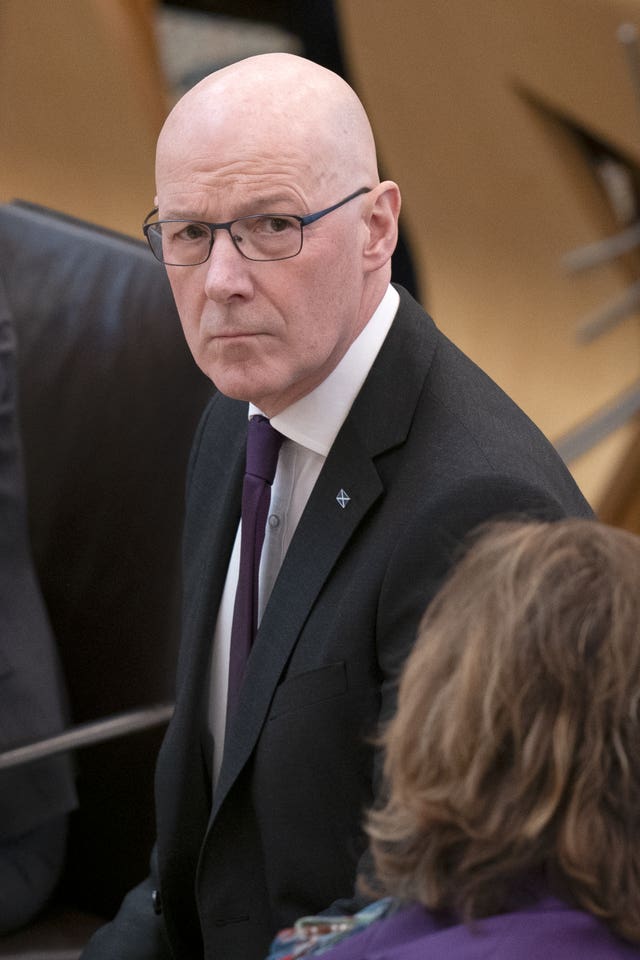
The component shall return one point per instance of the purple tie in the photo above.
(263, 446)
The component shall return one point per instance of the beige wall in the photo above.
(471, 102)
(81, 103)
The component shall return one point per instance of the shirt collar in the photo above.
(315, 419)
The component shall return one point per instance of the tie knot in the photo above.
(263, 447)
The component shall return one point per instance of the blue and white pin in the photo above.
(343, 498)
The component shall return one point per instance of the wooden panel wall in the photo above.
(476, 106)
(81, 103)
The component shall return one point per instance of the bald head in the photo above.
(275, 105)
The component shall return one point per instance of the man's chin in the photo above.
(243, 388)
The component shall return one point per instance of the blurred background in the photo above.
(512, 127)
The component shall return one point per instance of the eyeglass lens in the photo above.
(187, 243)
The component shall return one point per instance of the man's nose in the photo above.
(228, 272)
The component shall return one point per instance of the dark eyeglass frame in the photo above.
(212, 227)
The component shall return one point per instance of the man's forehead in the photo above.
(219, 200)
(232, 182)
(245, 147)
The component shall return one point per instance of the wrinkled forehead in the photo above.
(231, 174)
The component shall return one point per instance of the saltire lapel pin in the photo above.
(343, 498)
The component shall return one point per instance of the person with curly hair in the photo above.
(511, 824)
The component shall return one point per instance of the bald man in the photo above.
(277, 236)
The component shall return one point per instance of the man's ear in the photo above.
(384, 211)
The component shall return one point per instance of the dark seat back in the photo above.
(108, 399)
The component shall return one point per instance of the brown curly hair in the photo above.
(516, 745)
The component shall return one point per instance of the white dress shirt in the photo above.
(310, 425)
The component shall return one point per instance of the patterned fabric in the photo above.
(312, 936)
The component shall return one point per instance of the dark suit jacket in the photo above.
(430, 448)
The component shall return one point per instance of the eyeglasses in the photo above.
(267, 236)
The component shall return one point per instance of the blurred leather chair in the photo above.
(108, 401)
(35, 799)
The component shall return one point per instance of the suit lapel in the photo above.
(379, 420)
(324, 530)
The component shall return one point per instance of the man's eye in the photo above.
(279, 224)
(191, 231)
(271, 225)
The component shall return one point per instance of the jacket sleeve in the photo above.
(137, 932)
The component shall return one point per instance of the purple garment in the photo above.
(548, 930)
